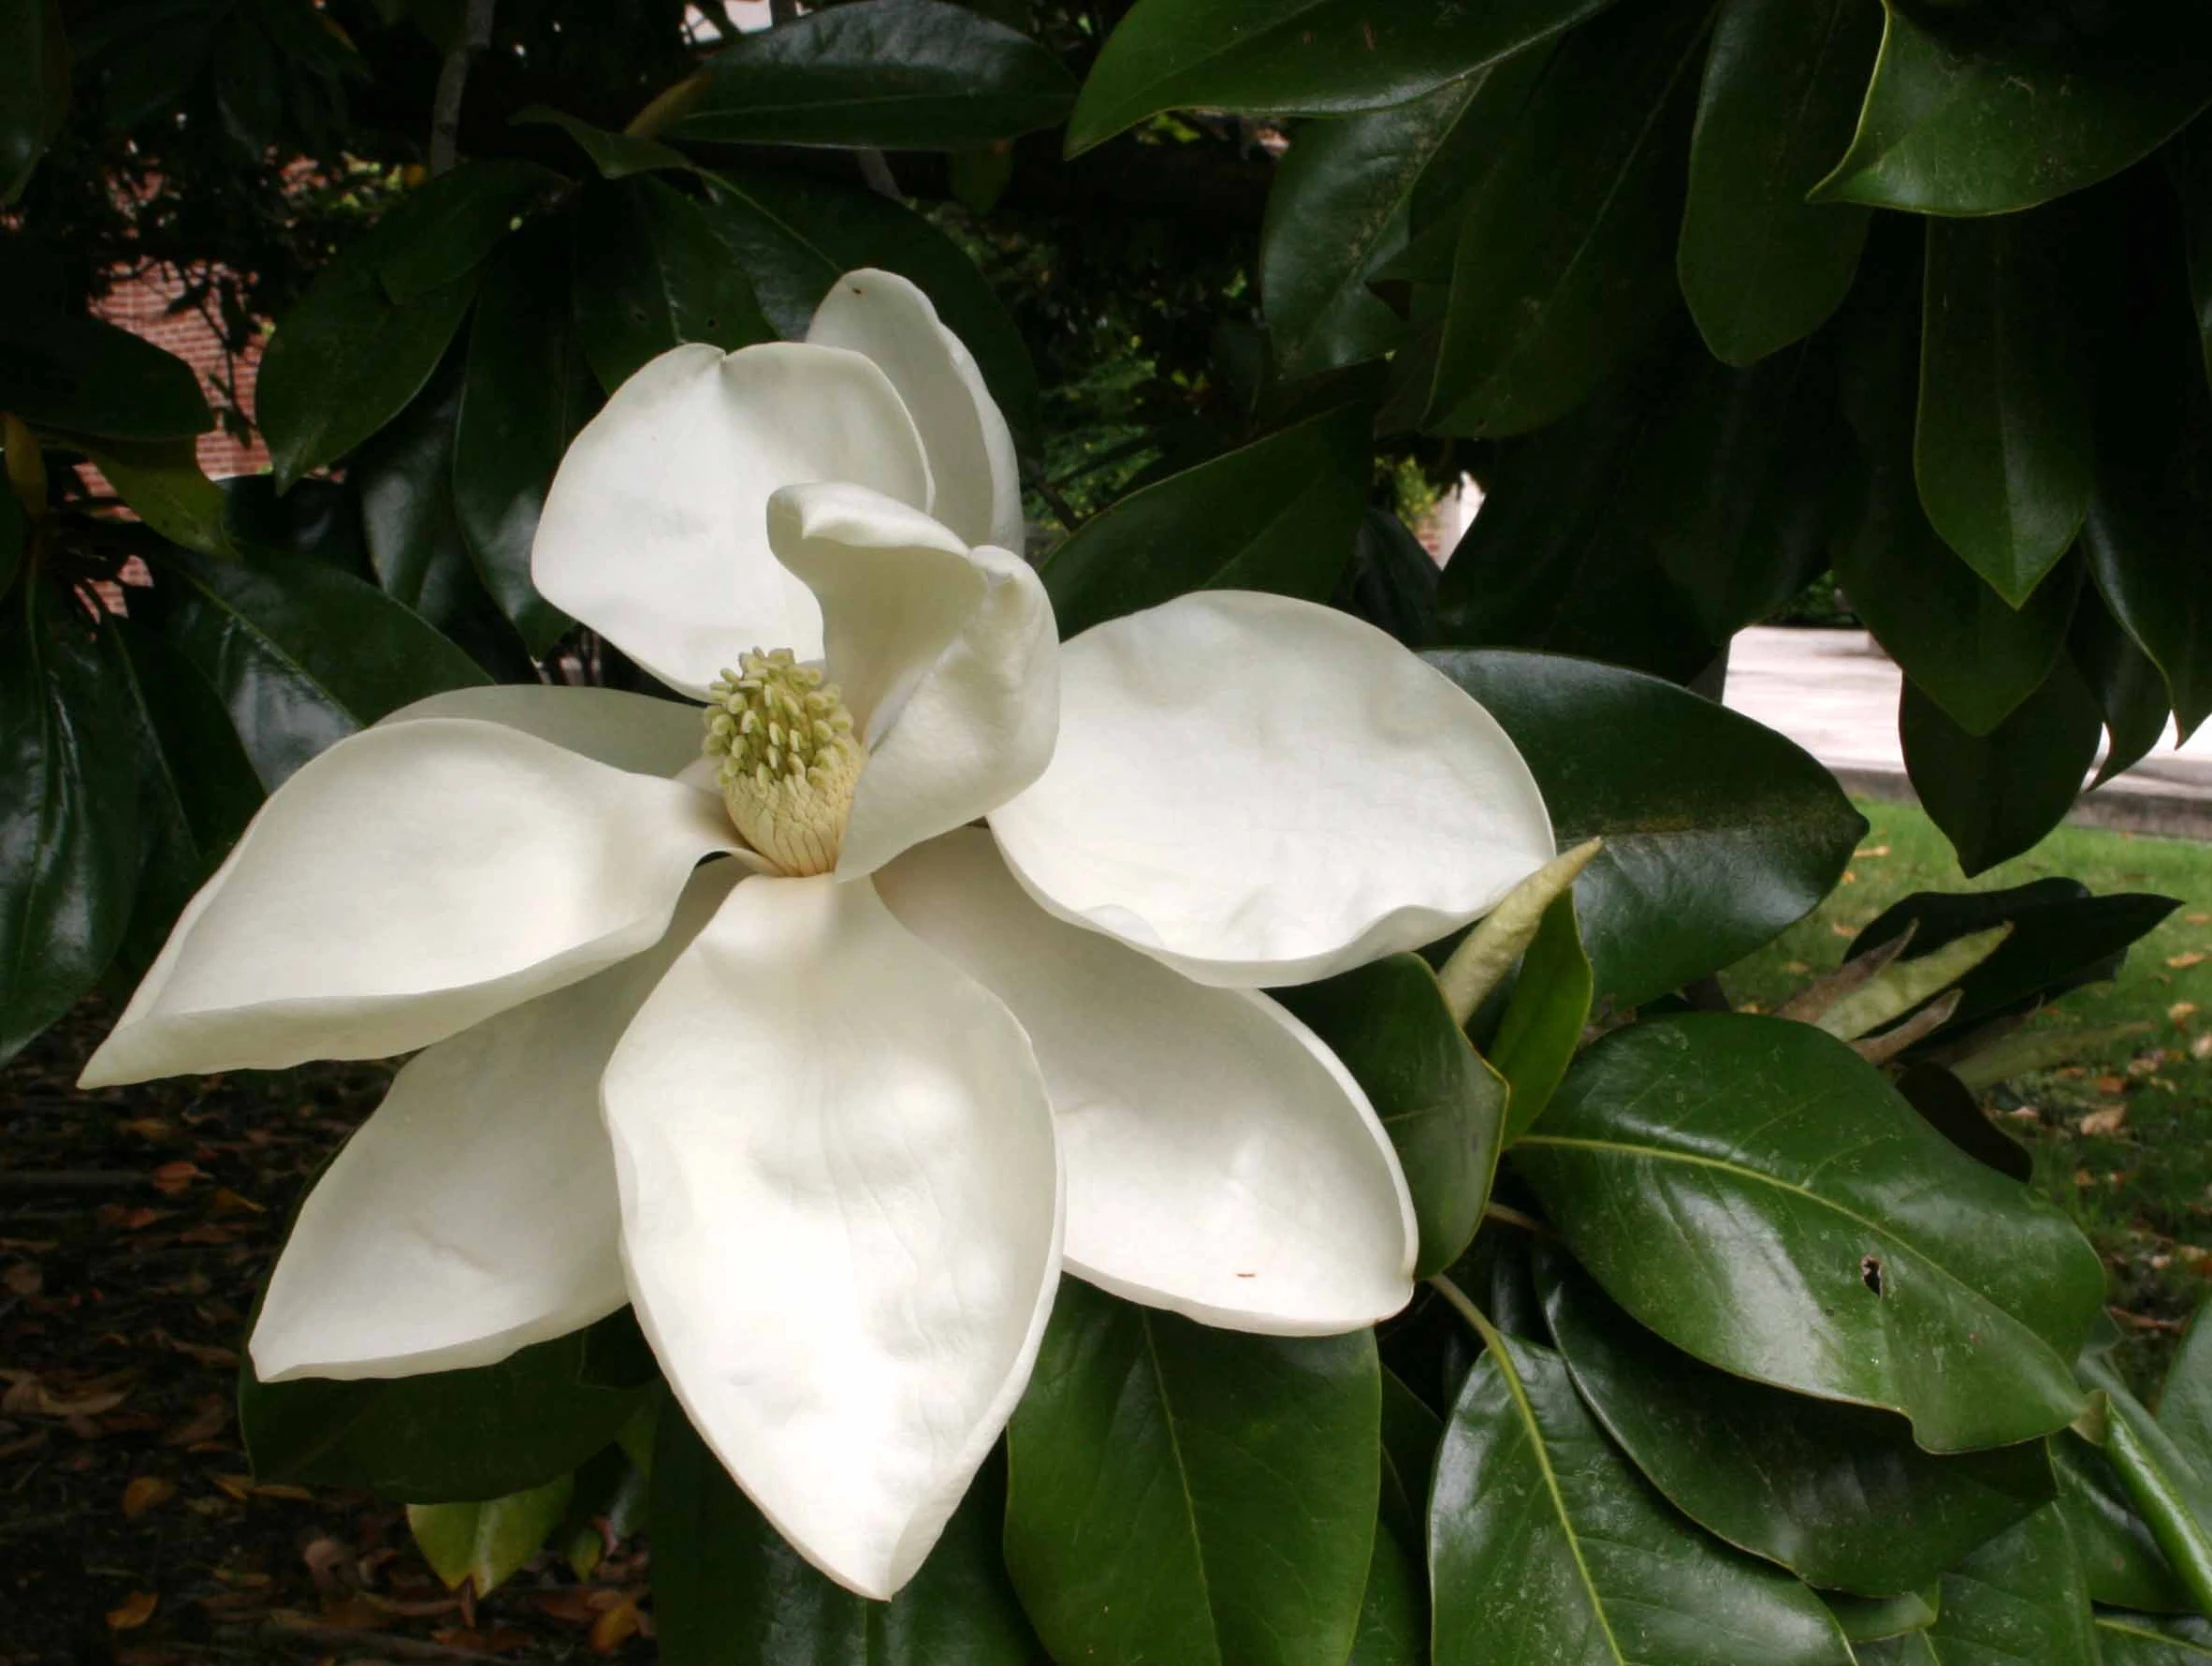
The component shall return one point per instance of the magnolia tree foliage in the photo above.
(953, 1088)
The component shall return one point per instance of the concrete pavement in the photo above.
(1835, 693)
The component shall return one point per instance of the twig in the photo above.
(453, 78)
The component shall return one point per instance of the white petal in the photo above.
(1258, 790)
(947, 657)
(1220, 1161)
(474, 1213)
(841, 1213)
(410, 882)
(655, 531)
(971, 452)
(630, 731)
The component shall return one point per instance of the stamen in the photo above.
(790, 759)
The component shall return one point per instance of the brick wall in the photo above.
(143, 305)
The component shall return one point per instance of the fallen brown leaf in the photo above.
(2182, 1011)
(172, 1178)
(133, 1611)
(24, 1279)
(144, 1492)
(615, 1627)
(2187, 958)
(2106, 1120)
(1871, 851)
(205, 1423)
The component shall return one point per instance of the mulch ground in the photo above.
(135, 1227)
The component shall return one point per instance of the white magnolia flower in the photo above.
(797, 1066)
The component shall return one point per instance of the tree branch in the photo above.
(453, 78)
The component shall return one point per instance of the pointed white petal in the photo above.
(474, 1213)
(1261, 791)
(947, 657)
(971, 452)
(841, 1213)
(410, 882)
(655, 531)
(630, 731)
(1220, 1161)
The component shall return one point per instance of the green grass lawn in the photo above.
(2143, 1190)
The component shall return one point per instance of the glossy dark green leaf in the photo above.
(1336, 212)
(1718, 832)
(34, 88)
(796, 237)
(1443, 1107)
(1996, 795)
(1195, 1495)
(2121, 1562)
(1279, 514)
(2189, 165)
(1878, 1619)
(1562, 556)
(2145, 541)
(85, 376)
(1394, 1614)
(902, 74)
(1952, 1109)
(372, 327)
(2018, 1600)
(1392, 580)
(15, 533)
(1760, 1196)
(1562, 271)
(1499, 94)
(403, 480)
(2145, 1640)
(162, 482)
(2012, 106)
(1313, 57)
(1959, 641)
(615, 155)
(2128, 689)
(1543, 1020)
(2185, 1398)
(1410, 1433)
(197, 786)
(448, 1437)
(526, 392)
(1729, 485)
(442, 231)
(347, 359)
(485, 1543)
(1545, 1544)
(1912, 1649)
(1760, 266)
(651, 272)
(2062, 937)
(69, 808)
(2163, 1480)
(1838, 1494)
(2004, 449)
(303, 654)
(728, 1591)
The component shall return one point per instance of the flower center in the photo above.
(790, 759)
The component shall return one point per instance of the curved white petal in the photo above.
(971, 452)
(841, 1213)
(410, 882)
(1220, 1161)
(637, 732)
(655, 531)
(947, 657)
(474, 1213)
(1258, 790)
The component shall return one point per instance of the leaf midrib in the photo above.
(1510, 1375)
(1660, 1153)
(1182, 1476)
